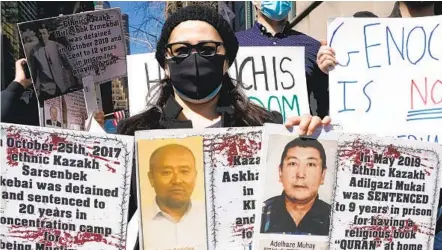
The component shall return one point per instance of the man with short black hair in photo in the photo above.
(53, 122)
(173, 220)
(298, 210)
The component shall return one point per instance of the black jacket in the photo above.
(168, 120)
(19, 106)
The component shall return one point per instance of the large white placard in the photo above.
(388, 74)
(63, 189)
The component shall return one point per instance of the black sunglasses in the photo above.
(183, 49)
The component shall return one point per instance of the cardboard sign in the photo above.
(63, 189)
(63, 50)
(386, 77)
(361, 191)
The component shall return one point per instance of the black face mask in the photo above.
(418, 4)
(197, 78)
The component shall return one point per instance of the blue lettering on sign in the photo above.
(426, 138)
(424, 45)
(344, 96)
(280, 104)
(369, 46)
(413, 45)
(348, 53)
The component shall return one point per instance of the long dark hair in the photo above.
(245, 113)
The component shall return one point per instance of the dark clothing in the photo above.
(276, 218)
(170, 120)
(395, 12)
(19, 106)
(317, 81)
(49, 123)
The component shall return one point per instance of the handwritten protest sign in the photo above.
(63, 189)
(230, 160)
(385, 192)
(62, 50)
(273, 78)
(386, 75)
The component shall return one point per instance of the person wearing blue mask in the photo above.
(272, 29)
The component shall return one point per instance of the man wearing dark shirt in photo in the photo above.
(271, 29)
(298, 210)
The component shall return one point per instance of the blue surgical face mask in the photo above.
(276, 10)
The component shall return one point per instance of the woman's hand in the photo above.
(307, 124)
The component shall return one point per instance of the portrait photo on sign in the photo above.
(298, 187)
(50, 66)
(53, 113)
(171, 193)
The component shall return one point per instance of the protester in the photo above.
(18, 100)
(272, 29)
(196, 48)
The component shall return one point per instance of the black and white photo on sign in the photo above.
(298, 190)
(62, 50)
(51, 69)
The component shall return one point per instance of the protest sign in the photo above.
(272, 77)
(385, 192)
(62, 50)
(67, 111)
(386, 74)
(227, 165)
(302, 171)
(63, 189)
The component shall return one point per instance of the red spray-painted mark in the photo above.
(110, 169)
(392, 151)
(65, 239)
(102, 158)
(56, 139)
(237, 146)
(237, 230)
(353, 152)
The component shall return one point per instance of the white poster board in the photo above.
(385, 192)
(272, 77)
(388, 74)
(63, 189)
(63, 50)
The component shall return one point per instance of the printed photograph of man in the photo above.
(53, 121)
(173, 219)
(51, 69)
(299, 209)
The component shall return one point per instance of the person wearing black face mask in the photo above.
(196, 48)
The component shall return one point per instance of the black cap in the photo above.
(201, 13)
